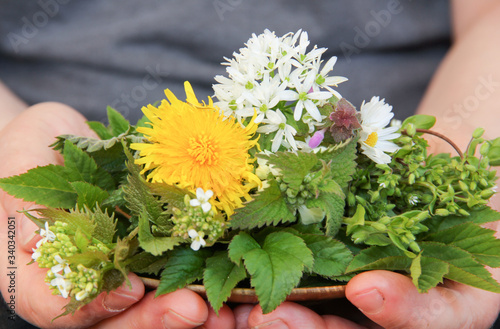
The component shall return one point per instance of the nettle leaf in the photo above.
(427, 272)
(331, 257)
(89, 259)
(88, 195)
(171, 195)
(83, 168)
(333, 205)
(478, 241)
(117, 123)
(144, 262)
(379, 258)
(293, 167)
(267, 208)
(220, 277)
(276, 267)
(77, 220)
(154, 244)
(183, 267)
(341, 162)
(462, 266)
(140, 199)
(48, 186)
(105, 226)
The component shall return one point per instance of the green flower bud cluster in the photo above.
(298, 196)
(80, 284)
(194, 218)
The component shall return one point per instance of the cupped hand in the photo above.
(387, 300)
(24, 145)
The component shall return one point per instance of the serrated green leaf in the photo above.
(240, 245)
(47, 186)
(427, 272)
(331, 257)
(81, 241)
(220, 277)
(379, 258)
(89, 259)
(88, 195)
(267, 208)
(481, 216)
(171, 195)
(153, 244)
(83, 168)
(333, 205)
(183, 267)
(478, 241)
(462, 266)
(75, 219)
(144, 262)
(105, 226)
(341, 162)
(117, 123)
(293, 167)
(277, 268)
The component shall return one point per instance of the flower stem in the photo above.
(443, 137)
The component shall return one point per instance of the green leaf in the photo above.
(380, 258)
(144, 262)
(89, 259)
(117, 123)
(76, 220)
(100, 129)
(105, 226)
(220, 277)
(153, 244)
(267, 208)
(183, 267)
(277, 268)
(47, 186)
(83, 168)
(478, 241)
(240, 245)
(481, 216)
(293, 167)
(88, 195)
(341, 162)
(494, 152)
(331, 257)
(421, 121)
(333, 205)
(427, 272)
(171, 195)
(462, 266)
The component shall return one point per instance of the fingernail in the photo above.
(275, 324)
(116, 302)
(172, 320)
(370, 302)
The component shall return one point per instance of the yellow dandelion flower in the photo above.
(193, 145)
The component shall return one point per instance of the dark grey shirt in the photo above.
(124, 53)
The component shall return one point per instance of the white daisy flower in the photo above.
(202, 199)
(305, 98)
(198, 240)
(276, 121)
(375, 139)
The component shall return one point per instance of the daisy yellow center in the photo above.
(203, 150)
(372, 139)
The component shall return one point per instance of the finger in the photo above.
(224, 320)
(241, 314)
(182, 309)
(287, 315)
(391, 300)
(336, 322)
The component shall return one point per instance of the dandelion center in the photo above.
(372, 139)
(203, 150)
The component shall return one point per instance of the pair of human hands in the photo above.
(385, 299)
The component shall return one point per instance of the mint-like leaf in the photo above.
(268, 208)
(341, 162)
(293, 167)
(183, 267)
(220, 277)
(333, 205)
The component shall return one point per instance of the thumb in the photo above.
(392, 301)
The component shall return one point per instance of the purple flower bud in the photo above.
(317, 138)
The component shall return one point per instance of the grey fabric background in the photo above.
(94, 53)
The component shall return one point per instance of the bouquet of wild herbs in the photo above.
(281, 183)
